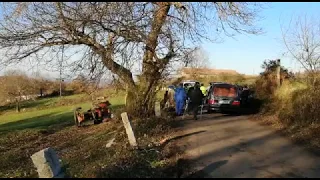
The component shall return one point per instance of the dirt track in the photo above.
(234, 146)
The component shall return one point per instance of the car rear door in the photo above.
(225, 94)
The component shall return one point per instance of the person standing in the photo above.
(203, 90)
(245, 95)
(190, 90)
(186, 87)
(196, 97)
(164, 100)
(180, 98)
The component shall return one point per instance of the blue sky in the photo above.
(247, 52)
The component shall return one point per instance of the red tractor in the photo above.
(98, 114)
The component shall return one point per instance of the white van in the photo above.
(190, 83)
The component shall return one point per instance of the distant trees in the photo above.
(195, 58)
(270, 67)
(78, 85)
(15, 85)
(83, 84)
(267, 83)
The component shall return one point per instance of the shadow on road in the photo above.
(208, 169)
(182, 136)
(205, 117)
(254, 150)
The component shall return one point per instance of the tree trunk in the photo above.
(18, 105)
(278, 75)
(140, 107)
(41, 92)
(140, 101)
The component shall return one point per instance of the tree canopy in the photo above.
(117, 35)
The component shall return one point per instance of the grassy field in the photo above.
(46, 112)
(49, 123)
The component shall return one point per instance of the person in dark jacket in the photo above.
(244, 95)
(186, 87)
(189, 100)
(196, 97)
(180, 98)
(164, 100)
(190, 91)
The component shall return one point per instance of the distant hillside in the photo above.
(205, 72)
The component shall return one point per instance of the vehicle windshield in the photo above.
(189, 84)
(224, 90)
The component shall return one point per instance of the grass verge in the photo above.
(306, 135)
(293, 111)
(84, 153)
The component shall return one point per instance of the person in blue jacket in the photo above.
(180, 99)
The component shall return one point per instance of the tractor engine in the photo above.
(100, 113)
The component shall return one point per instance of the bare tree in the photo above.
(195, 58)
(152, 34)
(15, 85)
(302, 41)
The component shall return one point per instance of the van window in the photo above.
(189, 84)
(224, 90)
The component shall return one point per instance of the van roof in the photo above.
(189, 81)
(224, 84)
(218, 83)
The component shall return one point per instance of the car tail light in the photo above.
(212, 101)
(236, 103)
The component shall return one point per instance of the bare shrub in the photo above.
(304, 107)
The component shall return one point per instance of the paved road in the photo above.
(233, 146)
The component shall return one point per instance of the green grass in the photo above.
(44, 123)
(49, 114)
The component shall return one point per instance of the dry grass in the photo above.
(296, 103)
(223, 77)
(84, 154)
(293, 109)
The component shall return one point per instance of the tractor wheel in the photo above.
(94, 117)
(95, 122)
(93, 114)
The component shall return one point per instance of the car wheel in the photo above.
(96, 122)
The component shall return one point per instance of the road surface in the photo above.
(234, 146)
